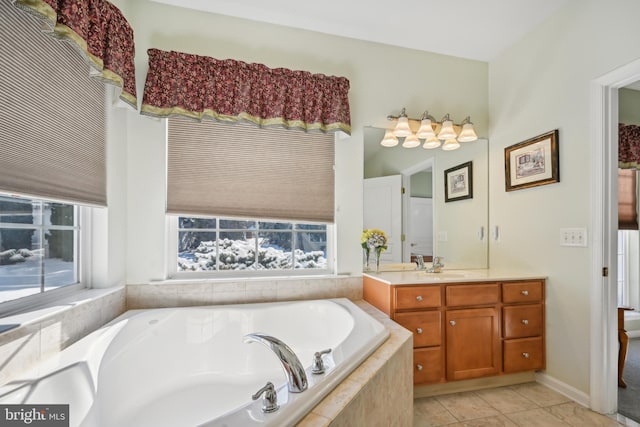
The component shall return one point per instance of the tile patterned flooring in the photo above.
(524, 405)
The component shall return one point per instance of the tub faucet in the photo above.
(293, 369)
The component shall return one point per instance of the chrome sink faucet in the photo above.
(419, 262)
(437, 265)
(293, 369)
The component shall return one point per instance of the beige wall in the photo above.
(383, 80)
(539, 84)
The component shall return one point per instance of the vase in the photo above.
(378, 252)
(365, 259)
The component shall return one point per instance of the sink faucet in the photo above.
(293, 369)
(420, 262)
(437, 265)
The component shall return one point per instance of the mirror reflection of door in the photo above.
(420, 230)
(383, 211)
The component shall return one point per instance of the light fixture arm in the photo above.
(426, 115)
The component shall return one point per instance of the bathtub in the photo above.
(179, 367)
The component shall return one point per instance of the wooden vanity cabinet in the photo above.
(419, 309)
(467, 330)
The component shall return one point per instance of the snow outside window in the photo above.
(214, 245)
(38, 246)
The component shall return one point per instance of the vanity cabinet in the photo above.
(467, 330)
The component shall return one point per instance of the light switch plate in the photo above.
(573, 237)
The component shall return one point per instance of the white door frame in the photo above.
(406, 183)
(604, 151)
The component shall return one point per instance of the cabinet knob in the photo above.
(419, 367)
(525, 293)
(452, 322)
(419, 297)
(419, 330)
(525, 322)
(525, 355)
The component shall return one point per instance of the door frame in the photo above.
(604, 154)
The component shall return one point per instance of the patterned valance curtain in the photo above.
(180, 84)
(628, 146)
(99, 31)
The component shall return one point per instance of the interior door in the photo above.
(383, 210)
(420, 230)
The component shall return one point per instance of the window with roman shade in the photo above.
(240, 170)
(628, 164)
(52, 117)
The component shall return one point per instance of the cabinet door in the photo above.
(427, 365)
(425, 325)
(473, 343)
(520, 321)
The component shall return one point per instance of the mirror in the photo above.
(456, 230)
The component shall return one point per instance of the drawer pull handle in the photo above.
(525, 355)
(525, 293)
(419, 330)
(525, 322)
(419, 367)
(452, 322)
(419, 297)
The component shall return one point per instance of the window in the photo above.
(38, 246)
(214, 245)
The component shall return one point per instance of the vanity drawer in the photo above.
(521, 321)
(525, 354)
(427, 365)
(425, 325)
(480, 294)
(413, 297)
(522, 292)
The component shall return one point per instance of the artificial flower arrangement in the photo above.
(373, 239)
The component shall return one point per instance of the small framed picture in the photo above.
(458, 182)
(532, 162)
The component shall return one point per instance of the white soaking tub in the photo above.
(180, 367)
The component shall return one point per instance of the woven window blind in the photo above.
(241, 170)
(627, 199)
(52, 117)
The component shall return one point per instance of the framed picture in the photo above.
(532, 162)
(458, 182)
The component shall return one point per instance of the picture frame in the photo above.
(533, 162)
(458, 182)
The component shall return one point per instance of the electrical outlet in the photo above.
(573, 237)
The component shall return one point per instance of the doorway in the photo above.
(604, 324)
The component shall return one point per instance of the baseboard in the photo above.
(563, 388)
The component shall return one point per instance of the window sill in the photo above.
(226, 279)
(39, 312)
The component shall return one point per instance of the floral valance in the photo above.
(180, 84)
(628, 146)
(99, 31)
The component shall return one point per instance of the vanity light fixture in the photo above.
(430, 130)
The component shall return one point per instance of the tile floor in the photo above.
(524, 405)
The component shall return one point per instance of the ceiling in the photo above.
(471, 29)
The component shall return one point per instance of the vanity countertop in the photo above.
(450, 276)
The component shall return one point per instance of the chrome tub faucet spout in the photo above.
(293, 369)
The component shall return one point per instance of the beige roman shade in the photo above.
(241, 170)
(52, 118)
(627, 199)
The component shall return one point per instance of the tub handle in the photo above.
(270, 398)
(318, 363)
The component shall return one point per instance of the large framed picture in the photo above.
(458, 182)
(532, 162)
